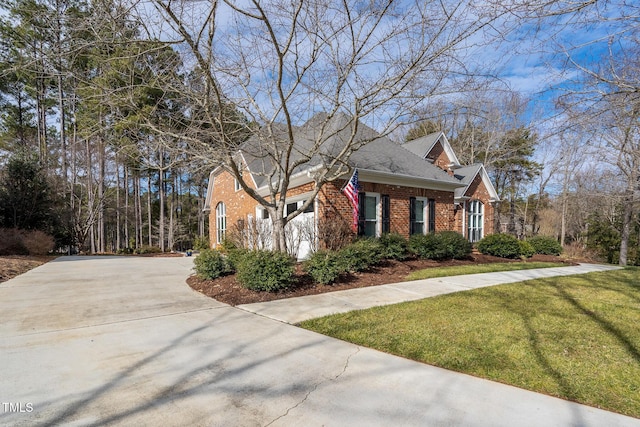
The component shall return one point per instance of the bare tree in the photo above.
(609, 102)
(262, 68)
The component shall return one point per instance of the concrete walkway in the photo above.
(295, 310)
(124, 341)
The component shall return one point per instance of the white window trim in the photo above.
(221, 222)
(480, 214)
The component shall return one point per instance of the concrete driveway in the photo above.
(124, 341)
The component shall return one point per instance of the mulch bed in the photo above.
(226, 289)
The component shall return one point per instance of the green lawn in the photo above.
(456, 270)
(575, 337)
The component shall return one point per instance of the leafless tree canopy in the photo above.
(262, 68)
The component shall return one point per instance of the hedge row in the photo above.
(325, 267)
(256, 270)
(507, 246)
(273, 271)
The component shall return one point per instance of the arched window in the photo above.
(221, 222)
(475, 220)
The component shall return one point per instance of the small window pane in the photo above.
(370, 208)
(291, 207)
(419, 210)
(370, 229)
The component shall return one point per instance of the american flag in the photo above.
(351, 191)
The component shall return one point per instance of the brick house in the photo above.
(417, 187)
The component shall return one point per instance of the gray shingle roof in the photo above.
(320, 140)
(466, 176)
(421, 146)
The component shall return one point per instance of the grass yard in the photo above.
(574, 337)
(456, 270)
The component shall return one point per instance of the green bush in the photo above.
(440, 246)
(545, 245)
(265, 270)
(457, 247)
(201, 243)
(234, 256)
(526, 249)
(394, 246)
(360, 255)
(210, 264)
(500, 245)
(324, 267)
(147, 250)
(425, 246)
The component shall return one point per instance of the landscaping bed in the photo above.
(14, 265)
(228, 290)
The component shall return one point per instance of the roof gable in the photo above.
(425, 146)
(468, 174)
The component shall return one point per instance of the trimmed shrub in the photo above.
(324, 267)
(360, 255)
(147, 250)
(425, 246)
(265, 270)
(545, 245)
(440, 246)
(201, 243)
(457, 247)
(210, 264)
(394, 246)
(500, 245)
(234, 256)
(526, 250)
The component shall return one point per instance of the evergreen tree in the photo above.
(25, 196)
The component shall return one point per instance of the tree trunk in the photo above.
(626, 230)
(161, 191)
(101, 193)
(278, 237)
(63, 132)
(149, 207)
(90, 198)
(126, 206)
(118, 237)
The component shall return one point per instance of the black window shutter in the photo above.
(386, 213)
(361, 217)
(412, 215)
(432, 215)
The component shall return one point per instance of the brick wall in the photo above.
(477, 191)
(238, 203)
(334, 205)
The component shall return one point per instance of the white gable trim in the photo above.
(447, 148)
